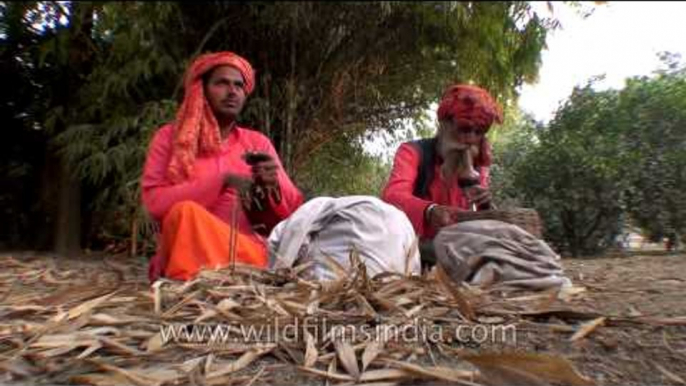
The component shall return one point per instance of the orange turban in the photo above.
(470, 105)
(197, 130)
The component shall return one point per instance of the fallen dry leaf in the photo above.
(331, 369)
(670, 375)
(462, 303)
(385, 374)
(101, 380)
(154, 344)
(568, 294)
(439, 373)
(371, 351)
(346, 355)
(328, 374)
(86, 307)
(311, 353)
(526, 368)
(242, 362)
(587, 328)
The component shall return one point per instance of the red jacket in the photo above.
(400, 187)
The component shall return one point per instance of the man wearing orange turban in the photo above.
(420, 183)
(194, 171)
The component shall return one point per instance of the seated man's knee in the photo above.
(181, 209)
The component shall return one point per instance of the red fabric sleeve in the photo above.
(400, 186)
(158, 194)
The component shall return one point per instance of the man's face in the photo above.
(454, 144)
(455, 132)
(225, 92)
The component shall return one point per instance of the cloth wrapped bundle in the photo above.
(487, 252)
(327, 227)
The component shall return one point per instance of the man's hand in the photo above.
(441, 216)
(265, 179)
(264, 169)
(243, 185)
(479, 195)
(240, 183)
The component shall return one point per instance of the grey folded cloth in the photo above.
(486, 252)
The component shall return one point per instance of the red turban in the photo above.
(470, 106)
(197, 130)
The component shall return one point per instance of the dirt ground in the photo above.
(619, 351)
(624, 354)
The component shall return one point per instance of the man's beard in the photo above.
(458, 158)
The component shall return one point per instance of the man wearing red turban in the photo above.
(194, 171)
(421, 183)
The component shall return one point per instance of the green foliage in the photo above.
(655, 124)
(110, 160)
(512, 142)
(608, 159)
(572, 176)
(343, 168)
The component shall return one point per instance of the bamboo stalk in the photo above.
(133, 251)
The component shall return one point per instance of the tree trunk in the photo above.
(67, 236)
(68, 221)
(570, 234)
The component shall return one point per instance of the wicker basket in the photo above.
(525, 218)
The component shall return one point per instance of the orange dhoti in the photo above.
(194, 239)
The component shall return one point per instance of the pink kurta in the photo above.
(400, 187)
(205, 186)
